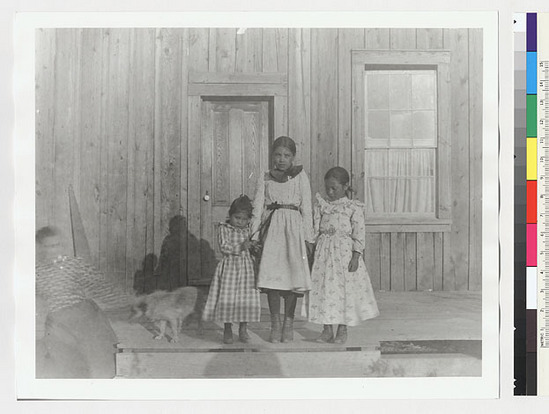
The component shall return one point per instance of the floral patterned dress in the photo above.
(233, 296)
(337, 295)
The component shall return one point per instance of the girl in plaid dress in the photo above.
(233, 295)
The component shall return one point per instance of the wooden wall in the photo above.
(112, 122)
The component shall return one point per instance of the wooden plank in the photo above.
(249, 51)
(65, 131)
(251, 124)
(448, 265)
(397, 262)
(248, 77)
(44, 138)
(406, 228)
(358, 139)
(275, 50)
(425, 261)
(438, 240)
(225, 49)
(475, 158)
(403, 39)
(211, 124)
(410, 262)
(349, 39)
(429, 39)
(116, 123)
(377, 38)
(140, 149)
(90, 130)
(195, 195)
(402, 57)
(241, 89)
(212, 50)
(236, 160)
(167, 119)
(102, 191)
(299, 94)
(458, 42)
(385, 261)
(444, 208)
(324, 98)
(198, 57)
(372, 259)
(280, 116)
(184, 149)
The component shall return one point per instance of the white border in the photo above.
(27, 387)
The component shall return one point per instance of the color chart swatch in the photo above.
(531, 80)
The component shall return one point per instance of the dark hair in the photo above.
(286, 142)
(45, 232)
(241, 204)
(339, 173)
(342, 177)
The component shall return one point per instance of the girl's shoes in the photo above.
(243, 333)
(228, 333)
(327, 334)
(341, 336)
(288, 330)
(275, 329)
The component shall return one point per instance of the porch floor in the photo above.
(416, 334)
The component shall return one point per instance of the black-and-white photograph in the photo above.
(259, 202)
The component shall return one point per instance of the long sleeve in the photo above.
(258, 204)
(316, 219)
(358, 228)
(227, 243)
(306, 208)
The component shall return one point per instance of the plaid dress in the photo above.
(233, 295)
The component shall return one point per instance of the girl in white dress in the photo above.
(341, 292)
(283, 218)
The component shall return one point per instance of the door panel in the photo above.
(233, 152)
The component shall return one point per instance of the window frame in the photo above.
(405, 59)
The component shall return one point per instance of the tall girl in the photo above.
(233, 296)
(342, 292)
(283, 217)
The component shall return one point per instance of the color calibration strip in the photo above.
(521, 189)
(542, 125)
(531, 203)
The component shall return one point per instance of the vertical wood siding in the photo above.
(113, 120)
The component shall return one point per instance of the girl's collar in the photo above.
(341, 200)
(226, 223)
(283, 176)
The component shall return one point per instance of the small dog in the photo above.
(162, 307)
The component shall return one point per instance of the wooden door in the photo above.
(234, 141)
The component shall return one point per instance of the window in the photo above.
(401, 138)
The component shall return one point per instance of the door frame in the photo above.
(204, 86)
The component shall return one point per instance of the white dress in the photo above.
(339, 296)
(284, 264)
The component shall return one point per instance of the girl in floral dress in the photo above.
(284, 220)
(341, 289)
(233, 296)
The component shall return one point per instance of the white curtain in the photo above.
(400, 181)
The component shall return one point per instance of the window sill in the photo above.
(400, 225)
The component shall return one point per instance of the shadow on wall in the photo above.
(169, 271)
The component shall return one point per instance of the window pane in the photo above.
(424, 129)
(401, 129)
(378, 127)
(400, 181)
(377, 91)
(424, 90)
(400, 91)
